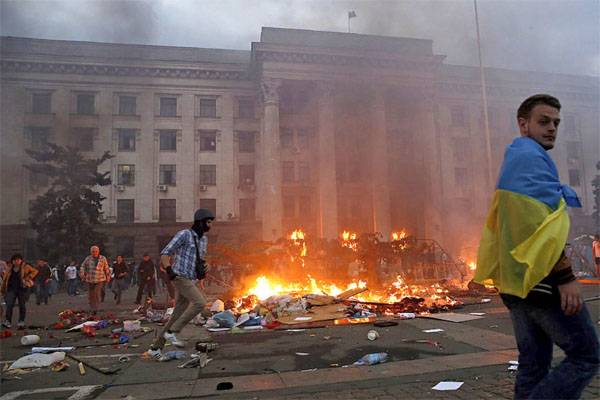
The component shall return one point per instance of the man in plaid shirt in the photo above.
(95, 271)
(187, 246)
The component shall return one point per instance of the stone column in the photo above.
(328, 206)
(379, 160)
(270, 162)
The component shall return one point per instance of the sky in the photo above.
(538, 35)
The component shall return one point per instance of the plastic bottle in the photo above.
(371, 359)
(173, 355)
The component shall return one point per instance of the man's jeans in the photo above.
(72, 287)
(11, 298)
(43, 293)
(537, 328)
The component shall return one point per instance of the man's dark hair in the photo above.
(16, 257)
(525, 108)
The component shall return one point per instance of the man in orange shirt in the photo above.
(596, 253)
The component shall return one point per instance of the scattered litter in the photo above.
(477, 313)
(302, 354)
(435, 330)
(513, 367)
(80, 326)
(59, 366)
(513, 362)
(206, 347)
(132, 325)
(295, 330)
(224, 386)
(6, 333)
(47, 350)
(493, 326)
(486, 300)
(81, 368)
(173, 355)
(124, 359)
(29, 340)
(407, 315)
(427, 341)
(302, 318)
(225, 319)
(217, 306)
(326, 337)
(372, 359)
(38, 360)
(448, 386)
(309, 370)
(218, 329)
(385, 324)
(197, 360)
(253, 328)
(372, 335)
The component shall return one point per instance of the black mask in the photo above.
(200, 227)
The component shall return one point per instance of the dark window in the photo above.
(124, 246)
(457, 116)
(208, 108)
(127, 139)
(127, 105)
(208, 140)
(305, 206)
(209, 204)
(125, 211)
(168, 106)
(208, 175)
(574, 178)
(247, 209)
(303, 172)
(246, 108)
(573, 150)
(85, 104)
(246, 140)
(289, 207)
(287, 171)
(39, 138)
(37, 179)
(302, 138)
(167, 175)
(167, 210)
(286, 138)
(168, 140)
(84, 138)
(41, 103)
(126, 174)
(246, 175)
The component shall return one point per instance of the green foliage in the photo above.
(67, 215)
(596, 191)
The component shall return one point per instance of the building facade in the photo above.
(319, 130)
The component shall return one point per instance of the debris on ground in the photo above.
(448, 385)
(372, 359)
(38, 360)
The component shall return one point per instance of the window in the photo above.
(127, 105)
(247, 209)
(168, 140)
(126, 174)
(208, 175)
(246, 175)
(305, 206)
(573, 150)
(168, 106)
(289, 207)
(302, 138)
(208, 108)
(574, 178)
(461, 178)
(84, 138)
(287, 171)
(286, 138)
(124, 246)
(40, 103)
(209, 204)
(303, 172)
(457, 116)
(127, 139)
(39, 138)
(85, 104)
(208, 141)
(167, 174)
(125, 211)
(167, 210)
(246, 108)
(246, 140)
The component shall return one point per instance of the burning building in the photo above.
(319, 130)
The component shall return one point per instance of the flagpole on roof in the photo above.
(351, 14)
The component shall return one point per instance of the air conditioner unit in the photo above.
(120, 188)
(203, 188)
(162, 188)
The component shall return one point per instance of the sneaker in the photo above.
(170, 337)
(21, 325)
(153, 354)
(6, 324)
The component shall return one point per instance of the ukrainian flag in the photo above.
(527, 227)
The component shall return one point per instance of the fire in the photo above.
(349, 240)
(399, 235)
(298, 234)
(297, 237)
(472, 265)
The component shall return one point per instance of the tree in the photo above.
(596, 191)
(67, 215)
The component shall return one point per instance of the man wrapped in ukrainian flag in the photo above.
(522, 254)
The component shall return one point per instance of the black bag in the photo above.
(200, 263)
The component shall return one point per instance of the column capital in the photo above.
(270, 90)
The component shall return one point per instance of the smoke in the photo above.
(544, 35)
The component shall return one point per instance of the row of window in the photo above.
(167, 209)
(85, 104)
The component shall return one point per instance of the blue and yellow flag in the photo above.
(527, 227)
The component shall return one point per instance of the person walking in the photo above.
(596, 253)
(95, 272)
(17, 279)
(188, 247)
(71, 276)
(43, 282)
(145, 278)
(120, 273)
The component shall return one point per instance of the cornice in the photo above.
(119, 70)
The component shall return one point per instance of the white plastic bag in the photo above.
(38, 360)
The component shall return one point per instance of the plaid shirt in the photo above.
(93, 272)
(184, 248)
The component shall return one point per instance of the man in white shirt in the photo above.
(71, 275)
